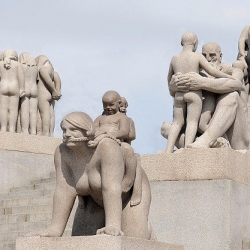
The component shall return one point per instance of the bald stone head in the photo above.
(212, 53)
(190, 38)
(111, 102)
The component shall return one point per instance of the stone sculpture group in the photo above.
(28, 89)
(212, 110)
(96, 161)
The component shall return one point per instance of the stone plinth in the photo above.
(24, 158)
(29, 143)
(91, 243)
(200, 198)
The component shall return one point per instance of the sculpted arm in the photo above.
(57, 81)
(170, 74)
(193, 81)
(63, 200)
(112, 171)
(212, 71)
(242, 41)
(20, 75)
(124, 128)
(44, 73)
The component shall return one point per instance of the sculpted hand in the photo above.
(114, 231)
(22, 93)
(190, 81)
(56, 95)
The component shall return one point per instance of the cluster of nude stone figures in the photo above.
(28, 89)
(210, 97)
(97, 164)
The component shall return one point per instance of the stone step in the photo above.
(27, 194)
(43, 180)
(38, 200)
(38, 186)
(32, 209)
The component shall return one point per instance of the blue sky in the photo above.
(126, 46)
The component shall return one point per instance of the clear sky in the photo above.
(101, 45)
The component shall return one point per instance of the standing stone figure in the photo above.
(95, 174)
(188, 105)
(49, 90)
(11, 89)
(28, 109)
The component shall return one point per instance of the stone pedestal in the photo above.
(24, 158)
(91, 243)
(200, 198)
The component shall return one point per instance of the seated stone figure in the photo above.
(115, 125)
(188, 104)
(96, 174)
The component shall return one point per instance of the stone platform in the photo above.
(91, 243)
(200, 198)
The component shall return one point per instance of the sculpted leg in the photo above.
(52, 117)
(135, 218)
(178, 122)
(44, 109)
(25, 115)
(222, 119)
(33, 115)
(4, 112)
(194, 106)
(13, 112)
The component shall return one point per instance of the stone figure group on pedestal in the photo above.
(208, 111)
(95, 164)
(28, 89)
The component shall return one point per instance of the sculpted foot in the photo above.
(221, 143)
(114, 231)
(199, 143)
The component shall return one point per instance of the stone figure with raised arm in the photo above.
(96, 174)
(29, 103)
(243, 49)
(116, 126)
(188, 104)
(49, 90)
(230, 114)
(11, 90)
(132, 133)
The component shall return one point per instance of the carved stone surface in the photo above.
(91, 243)
(96, 174)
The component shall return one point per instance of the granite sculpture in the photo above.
(132, 133)
(224, 107)
(96, 174)
(11, 89)
(188, 104)
(29, 103)
(49, 90)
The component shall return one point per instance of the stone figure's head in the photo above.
(111, 102)
(212, 52)
(190, 38)
(43, 61)
(123, 105)
(77, 127)
(10, 54)
(27, 59)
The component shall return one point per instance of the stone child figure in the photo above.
(188, 104)
(28, 109)
(123, 109)
(115, 125)
(96, 174)
(11, 89)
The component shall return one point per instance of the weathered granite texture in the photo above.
(91, 243)
(200, 197)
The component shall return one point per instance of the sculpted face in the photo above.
(10, 54)
(71, 133)
(111, 102)
(212, 53)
